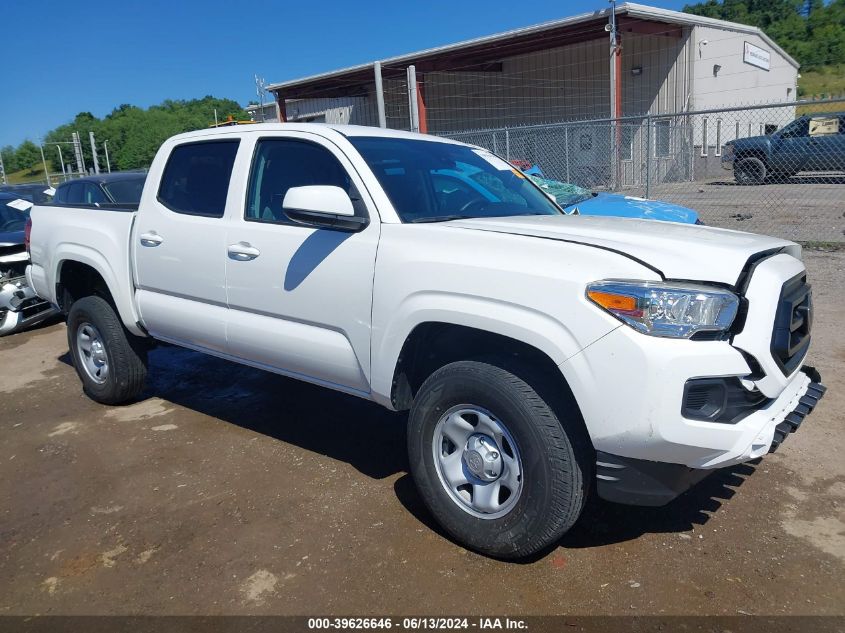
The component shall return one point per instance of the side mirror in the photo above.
(322, 206)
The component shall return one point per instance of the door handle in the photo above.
(151, 239)
(242, 252)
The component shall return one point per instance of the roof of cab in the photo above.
(317, 128)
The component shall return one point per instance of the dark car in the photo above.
(37, 193)
(117, 188)
(811, 143)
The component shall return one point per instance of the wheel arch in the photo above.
(753, 153)
(81, 271)
(434, 344)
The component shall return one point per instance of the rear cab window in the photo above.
(196, 177)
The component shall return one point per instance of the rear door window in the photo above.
(61, 194)
(196, 178)
(75, 193)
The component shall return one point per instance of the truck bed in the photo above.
(96, 235)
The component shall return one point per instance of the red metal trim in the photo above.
(421, 104)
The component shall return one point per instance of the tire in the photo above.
(750, 171)
(113, 368)
(551, 454)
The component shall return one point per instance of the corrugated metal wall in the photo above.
(567, 83)
(662, 85)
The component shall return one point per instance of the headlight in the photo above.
(666, 309)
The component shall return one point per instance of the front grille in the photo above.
(793, 322)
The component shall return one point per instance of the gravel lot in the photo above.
(228, 490)
(808, 208)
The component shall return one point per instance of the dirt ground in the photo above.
(806, 208)
(226, 490)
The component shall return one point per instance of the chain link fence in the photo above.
(777, 169)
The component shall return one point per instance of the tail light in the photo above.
(27, 232)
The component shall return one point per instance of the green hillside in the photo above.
(812, 31)
(29, 174)
(824, 81)
(134, 134)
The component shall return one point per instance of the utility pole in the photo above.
(106, 150)
(260, 89)
(77, 152)
(94, 153)
(62, 161)
(44, 162)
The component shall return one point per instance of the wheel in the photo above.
(111, 362)
(750, 171)
(493, 462)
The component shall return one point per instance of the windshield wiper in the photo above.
(439, 218)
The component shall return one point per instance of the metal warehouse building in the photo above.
(633, 61)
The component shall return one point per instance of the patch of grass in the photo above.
(32, 174)
(827, 81)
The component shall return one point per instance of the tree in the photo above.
(135, 134)
(812, 32)
(27, 155)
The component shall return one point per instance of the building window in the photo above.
(736, 133)
(750, 129)
(704, 136)
(662, 138)
(718, 137)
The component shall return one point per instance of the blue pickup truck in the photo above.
(811, 143)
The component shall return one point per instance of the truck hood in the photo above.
(750, 143)
(677, 251)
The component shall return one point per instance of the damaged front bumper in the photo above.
(20, 307)
(648, 483)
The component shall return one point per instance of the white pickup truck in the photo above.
(541, 356)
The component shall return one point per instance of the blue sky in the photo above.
(64, 57)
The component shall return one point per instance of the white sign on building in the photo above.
(756, 56)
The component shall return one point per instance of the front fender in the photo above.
(529, 326)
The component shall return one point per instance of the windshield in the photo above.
(566, 194)
(430, 181)
(797, 128)
(126, 191)
(11, 219)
